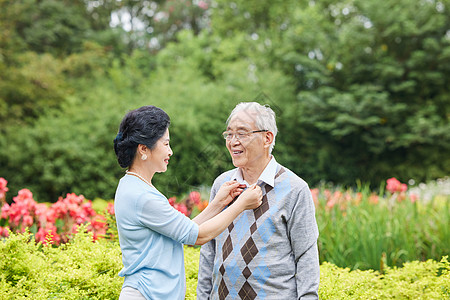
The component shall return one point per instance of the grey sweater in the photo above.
(266, 253)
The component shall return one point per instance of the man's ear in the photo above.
(268, 139)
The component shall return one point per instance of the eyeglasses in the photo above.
(240, 135)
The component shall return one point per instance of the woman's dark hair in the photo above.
(145, 125)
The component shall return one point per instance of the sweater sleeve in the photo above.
(303, 232)
(206, 264)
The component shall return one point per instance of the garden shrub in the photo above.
(416, 280)
(84, 269)
(72, 147)
(80, 269)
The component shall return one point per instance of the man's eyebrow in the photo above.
(239, 128)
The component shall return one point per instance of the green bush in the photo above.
(416, 280)
(70, 150)
(83, 269)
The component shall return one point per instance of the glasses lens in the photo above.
(226, 135)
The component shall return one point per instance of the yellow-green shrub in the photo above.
(83, 269)
(80, 269)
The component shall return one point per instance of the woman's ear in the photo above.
(142, 151)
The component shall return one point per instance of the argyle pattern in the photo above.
(248, 251)
(269, 253)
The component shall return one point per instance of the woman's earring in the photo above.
(144, 156)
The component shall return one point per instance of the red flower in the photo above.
(373, 199)
(393, 186)
(5, 211)
(413, 198)
(315, 195)
(27, 221)
(181, 207)
(172, 200)
(3, 188)
(202, 4)
(195, 197)
(48, 234)
(4, 231)
(110, 208)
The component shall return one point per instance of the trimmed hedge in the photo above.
(83, 269)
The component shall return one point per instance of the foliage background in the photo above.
(360, 87)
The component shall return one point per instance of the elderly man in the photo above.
(270, 252)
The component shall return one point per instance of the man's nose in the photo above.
(234, 140)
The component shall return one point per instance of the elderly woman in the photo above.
(151, 231)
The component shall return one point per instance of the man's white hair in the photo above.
(263, 116)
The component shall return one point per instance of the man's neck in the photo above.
(252, 173)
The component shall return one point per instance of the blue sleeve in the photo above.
(206, 262)
(155, 213)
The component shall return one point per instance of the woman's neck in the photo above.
(138, 171)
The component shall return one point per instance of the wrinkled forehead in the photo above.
(243, 120)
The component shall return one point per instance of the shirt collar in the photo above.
(267, 176)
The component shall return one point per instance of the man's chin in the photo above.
(238, 163)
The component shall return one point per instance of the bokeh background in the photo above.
(360, 87)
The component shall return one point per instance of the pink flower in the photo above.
(172, 200)
(99, 222)
(181, 207)
(3, 188)
(4, 231)
(413, 198)
(358, 198)
(403, 187)
(27, 221)
(195, 196)
(48, 234)
(5, 211)
(393, 186)
(41, 213)
(110, 208)
(23, 195)
(333, 199)
(3, 183)
(203, 5)
(373, 199)
(315, 195)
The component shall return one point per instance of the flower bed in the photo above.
(366, 230)
(359, 229)
(56, 223)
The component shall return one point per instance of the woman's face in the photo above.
(161, 153)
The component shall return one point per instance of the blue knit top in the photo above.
(151, 236)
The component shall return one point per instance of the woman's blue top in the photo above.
(151, 236)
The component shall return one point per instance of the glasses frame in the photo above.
(235, 134)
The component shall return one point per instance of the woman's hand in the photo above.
(227, 192)
(209, 228)
(251, 198)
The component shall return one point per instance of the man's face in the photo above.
(247, 150)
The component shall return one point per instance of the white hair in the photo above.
(263, 115)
